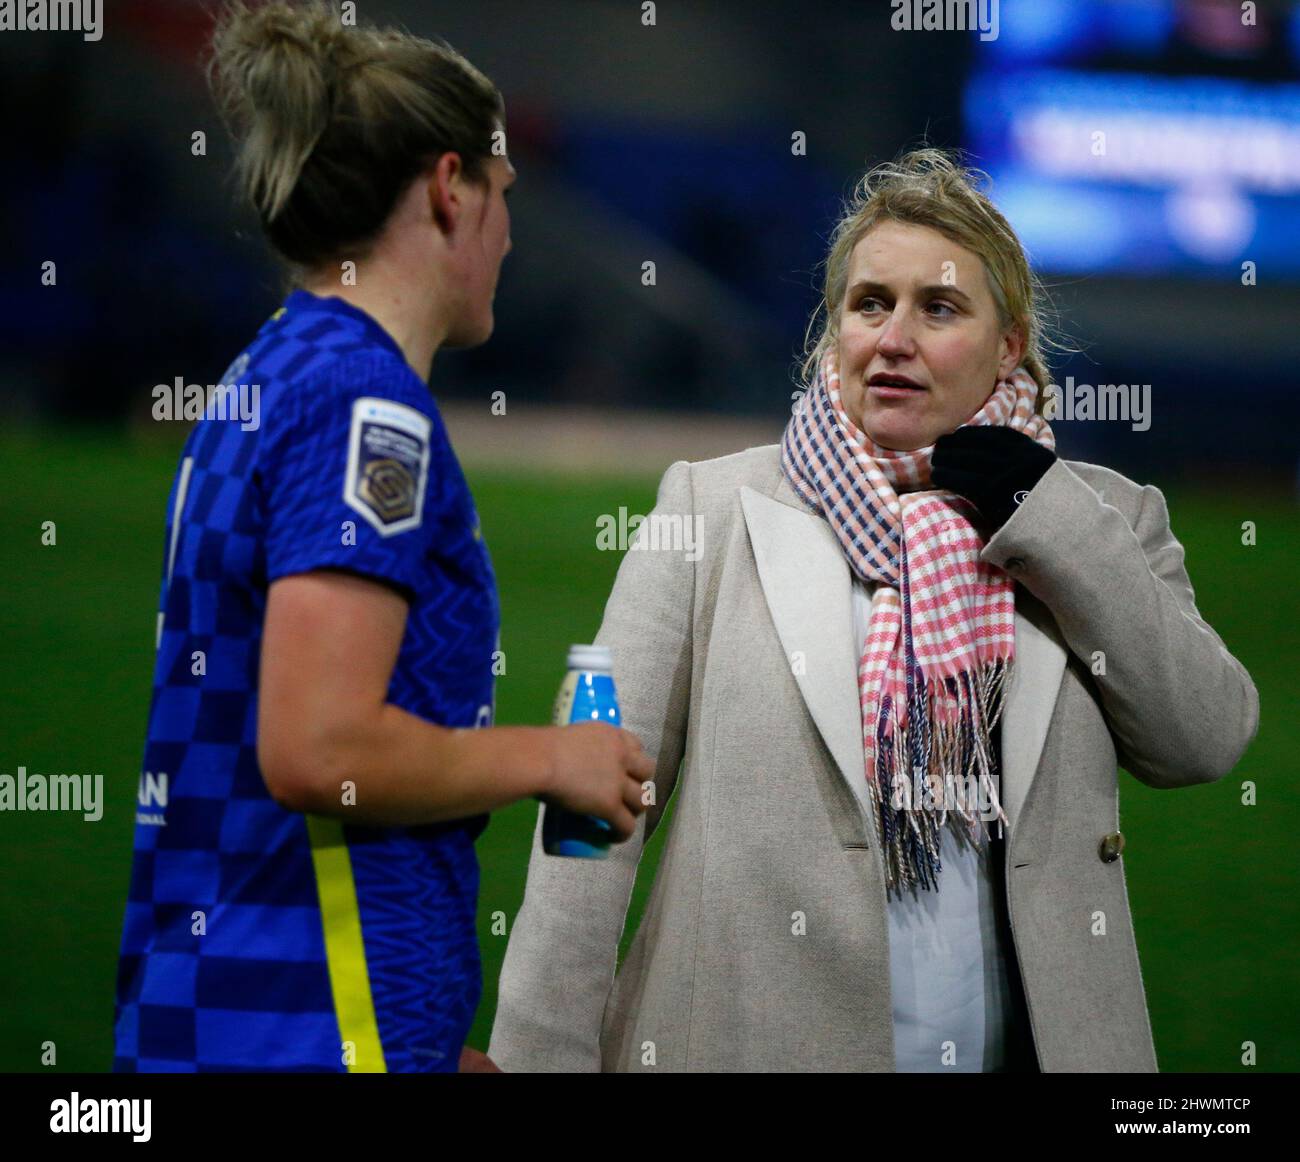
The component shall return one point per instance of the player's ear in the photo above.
(444, 183)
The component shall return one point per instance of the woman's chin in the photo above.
(899, 439)
(898, 428)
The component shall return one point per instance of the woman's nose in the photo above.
(896, 338)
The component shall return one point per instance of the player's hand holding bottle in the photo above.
(598, 769)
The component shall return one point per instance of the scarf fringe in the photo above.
(922, 793)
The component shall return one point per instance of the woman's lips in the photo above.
(891, 391)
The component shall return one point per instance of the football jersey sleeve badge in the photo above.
(388, 464)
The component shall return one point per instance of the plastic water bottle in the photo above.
(586, 695)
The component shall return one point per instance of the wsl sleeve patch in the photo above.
(388, 464)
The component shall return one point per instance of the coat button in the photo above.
(1111, 846)
(1015, 562)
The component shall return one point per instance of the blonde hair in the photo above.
(333, 121)
(930, 187)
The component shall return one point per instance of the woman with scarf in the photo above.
(890, 696)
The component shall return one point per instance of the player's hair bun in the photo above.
(273, 66)
(333, 120)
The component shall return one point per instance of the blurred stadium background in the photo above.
(669, 144)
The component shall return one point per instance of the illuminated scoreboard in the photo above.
(1143, 136)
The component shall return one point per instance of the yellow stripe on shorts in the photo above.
(345, 950)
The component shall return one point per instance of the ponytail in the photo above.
(333, 122)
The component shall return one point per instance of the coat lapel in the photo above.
(807, 586)
(1035, 684)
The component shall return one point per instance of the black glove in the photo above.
(994, 467)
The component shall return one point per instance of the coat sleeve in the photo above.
(1181, 708)
(560, 962)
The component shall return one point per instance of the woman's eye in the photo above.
(869, 304)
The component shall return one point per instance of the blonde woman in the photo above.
(304, 880)
(875, 699)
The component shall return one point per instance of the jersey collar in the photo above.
(300, 301)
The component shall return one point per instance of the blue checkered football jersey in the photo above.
(257, 938)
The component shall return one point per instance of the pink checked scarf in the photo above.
(940, 648)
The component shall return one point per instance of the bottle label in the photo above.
(563, 714)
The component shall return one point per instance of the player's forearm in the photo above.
(396, 769)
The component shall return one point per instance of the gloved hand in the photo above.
(994, 467)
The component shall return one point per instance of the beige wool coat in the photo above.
(761, 755)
